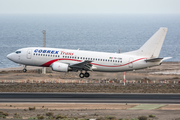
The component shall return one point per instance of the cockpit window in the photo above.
(17, 52)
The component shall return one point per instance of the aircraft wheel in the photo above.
(86, 74)
(81, 75)
(24, 70)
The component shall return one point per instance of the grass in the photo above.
(3, 72)
(142, 118)
(49, 114)
(3, 115)
(32, 108)
(152, 116)
(61, 117)
(17, 116)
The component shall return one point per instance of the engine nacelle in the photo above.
(60, 67)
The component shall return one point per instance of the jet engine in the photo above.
(60, 67)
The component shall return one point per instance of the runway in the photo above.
(90, 98)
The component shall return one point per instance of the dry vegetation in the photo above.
(99, 87)
(87, 114)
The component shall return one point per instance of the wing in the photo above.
(85, 65)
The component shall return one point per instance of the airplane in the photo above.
(65, 60)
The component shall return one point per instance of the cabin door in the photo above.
(29, 54)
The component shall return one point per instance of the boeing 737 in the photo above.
(65, 60)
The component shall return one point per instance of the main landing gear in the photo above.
(82, 75)
(24, 70)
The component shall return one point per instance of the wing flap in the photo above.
(85, 65)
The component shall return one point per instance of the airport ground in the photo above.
(160, 79)
(90, 111)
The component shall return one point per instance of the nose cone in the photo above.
(9, 56)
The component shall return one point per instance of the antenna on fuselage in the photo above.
(119, 50)
(44, 45)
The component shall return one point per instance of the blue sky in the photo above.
(90, 6)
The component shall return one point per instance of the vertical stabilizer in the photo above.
(153, 46)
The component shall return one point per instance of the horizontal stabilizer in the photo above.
(165, 58)
(154, 60)
(157, 59)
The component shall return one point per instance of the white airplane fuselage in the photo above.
(64, 60)
(101, 61)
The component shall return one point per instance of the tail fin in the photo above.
(153, 46)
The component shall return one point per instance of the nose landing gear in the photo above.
(24, 70)
(82, 75)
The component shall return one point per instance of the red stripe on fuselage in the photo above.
(52, 61)
(117, 65)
